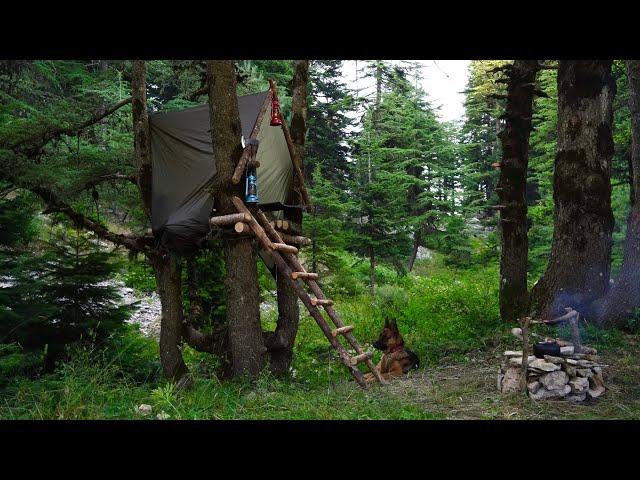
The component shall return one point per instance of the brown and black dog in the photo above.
(396, 360)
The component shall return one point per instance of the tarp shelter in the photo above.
(184, 167)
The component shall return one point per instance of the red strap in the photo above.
(396, 348)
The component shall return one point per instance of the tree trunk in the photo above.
(579, 264)
(624, 297)
(280, 344)
(168, 276)
(417, 242)
(141, 132)
(512, 189)
(167, 267)
(241, 284)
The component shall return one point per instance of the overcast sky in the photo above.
(443, 80)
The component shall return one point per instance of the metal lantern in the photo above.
(276, 118)
(251, 187)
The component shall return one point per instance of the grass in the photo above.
(449, 318)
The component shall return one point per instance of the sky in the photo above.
(443, 80)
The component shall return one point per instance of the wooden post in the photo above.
(292, 150)
(242, 163)
(575, 334)
(524, 325)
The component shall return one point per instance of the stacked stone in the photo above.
(571, 376)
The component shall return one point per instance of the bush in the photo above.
(139, 275)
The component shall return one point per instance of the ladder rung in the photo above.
(304, 275)
(283, 247)
(321, 301)
(342, 330)
(361, 358)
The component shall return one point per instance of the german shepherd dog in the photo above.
(396, 360)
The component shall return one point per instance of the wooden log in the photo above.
(361, 358)
(292, 151)
(575, 334)
(283, 247)
(224, 220)
(242, 227)
(304, 275)
(342, 330)
(257, 229)
(244, 158)
(524, 325)
(321, 301)
(295, 239)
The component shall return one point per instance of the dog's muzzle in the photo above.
(378, 345)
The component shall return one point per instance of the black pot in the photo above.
(541, 349)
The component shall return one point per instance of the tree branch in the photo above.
(42, 139)
(138, 244)
(111, 176)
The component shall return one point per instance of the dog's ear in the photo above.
(393, 325)
(386, 321)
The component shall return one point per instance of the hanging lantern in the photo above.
(276, 117)
(251, 187)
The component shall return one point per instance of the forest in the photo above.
(503, 249)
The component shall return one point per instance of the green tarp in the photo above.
(183, 169)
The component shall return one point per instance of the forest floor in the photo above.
(451, 390)
(469, 391)
(450, 319)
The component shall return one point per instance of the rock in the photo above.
(517, 361)
(513, 353)
(543, 365)
(144, 409)
(571, 370)
(579, 384)
(596, 385)
(162, 415)
(584, 372)
(596, 369)
(586, 364)
(579, 397)
(567, 350)
(554, 380)
(511, 380)
(571, 361)
(555, 360)
(544, 394)
(500, 377)
(517, 332)
(533, 387)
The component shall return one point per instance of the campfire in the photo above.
(553, 368)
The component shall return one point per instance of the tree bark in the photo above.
(141, 132)
(579, 264)
(512, 189)
(624, 297)
(241, 284)
(168, 276)
(280, 343)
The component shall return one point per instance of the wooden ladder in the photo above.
(286, 259)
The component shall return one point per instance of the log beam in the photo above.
(304, 276)
(224, 220)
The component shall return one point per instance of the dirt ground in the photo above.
(469, 391)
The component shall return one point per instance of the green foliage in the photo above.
(139, 275)
(56, 298)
